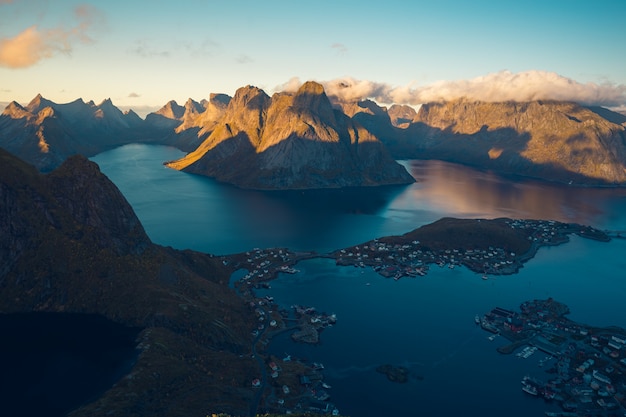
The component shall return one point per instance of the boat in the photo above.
(485, 277)
(529, 389)
(477, 319)
(325, 385)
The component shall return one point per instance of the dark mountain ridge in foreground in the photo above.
(71, 243)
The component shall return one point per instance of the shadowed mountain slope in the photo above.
(556, 141)
(72, 243)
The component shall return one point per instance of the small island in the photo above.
(399, 374)
(585, 366)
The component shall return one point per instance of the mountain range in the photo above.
(291, 140)
(556, 141)
(306, 139)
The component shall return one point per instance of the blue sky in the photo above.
(144, 53)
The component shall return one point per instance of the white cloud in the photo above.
(34, 44)
(290, 86)
(499, 86)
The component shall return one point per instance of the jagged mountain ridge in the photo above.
(548, 140)
(291, 141)
(45, 133)
(544, 140)
(72, 243)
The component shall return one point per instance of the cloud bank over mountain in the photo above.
(34, 44)
(493, 87)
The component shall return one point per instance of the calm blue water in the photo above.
(425, 323)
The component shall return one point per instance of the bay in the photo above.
(425, 324)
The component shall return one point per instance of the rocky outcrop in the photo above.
(291, 141)
(402, 115)
(72, 243)
(167, 117)
(187, 127)
(556, 141)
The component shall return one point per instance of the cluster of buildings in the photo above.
(395, 260)
(288, 385)
(394, 257)
(295, 386)
(587, 372)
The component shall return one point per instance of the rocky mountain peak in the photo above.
(193, 107)
(171, 110)
(106, 103)
(311, 87)
(38, 103)
(218, 99)
(15, 111)
(249, 97)
(402, 115)
(312, 99)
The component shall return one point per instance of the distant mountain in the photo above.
(401, 115)
(45, 133)
(556, 141)
(549, 140)
(72, 243)
(187, 127)
(291, 141)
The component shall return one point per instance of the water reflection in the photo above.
(466, 192)
(190, 211)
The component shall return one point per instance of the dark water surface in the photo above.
(52, 363)
(425, 324)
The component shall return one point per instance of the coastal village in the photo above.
(288, 385)
(584, 367)
(401, 256)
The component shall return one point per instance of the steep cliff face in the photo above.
(557, 141)
(71, 243)
(291, 141)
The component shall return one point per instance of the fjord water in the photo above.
(190, 211)
(425, 324)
